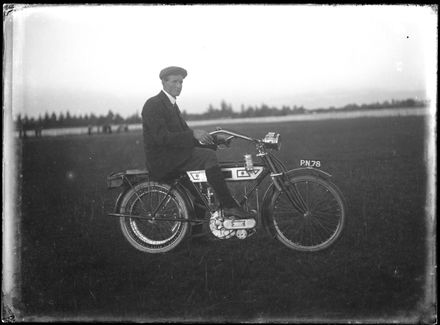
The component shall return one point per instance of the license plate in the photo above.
(310, 163)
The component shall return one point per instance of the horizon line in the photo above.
(64, 112)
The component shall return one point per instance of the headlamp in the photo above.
(272, 140)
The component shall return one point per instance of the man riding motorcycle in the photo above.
(172, 147)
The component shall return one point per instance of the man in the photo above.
(172, 147)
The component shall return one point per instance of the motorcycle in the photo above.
(301, 207)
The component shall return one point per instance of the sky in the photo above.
(94, 58)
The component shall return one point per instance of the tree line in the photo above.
(68, 120)
(224, 111)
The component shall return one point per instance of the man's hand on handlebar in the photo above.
(222, 139)
(203, 137)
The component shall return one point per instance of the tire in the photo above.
(153, 236)
(321, 224)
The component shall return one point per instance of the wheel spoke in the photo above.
(320, 224)
(329, 211)
(302, 233)
(325, 219)
(329, 227)
(287, 213)
(324, 201)
(307, 195)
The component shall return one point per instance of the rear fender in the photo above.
(127, 177)
(265, 217)
(180, 188)
(117, 206)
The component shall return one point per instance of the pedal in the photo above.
(239, 223)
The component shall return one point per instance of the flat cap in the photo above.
(173, 71)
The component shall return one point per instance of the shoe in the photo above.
(238, 213)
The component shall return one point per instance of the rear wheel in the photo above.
(154, 236)
(319, 223)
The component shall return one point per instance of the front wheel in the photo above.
(154, 236)
(321, 219)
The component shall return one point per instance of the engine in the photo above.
(225, 228)
(217, 228)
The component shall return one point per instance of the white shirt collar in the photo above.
(172, 99)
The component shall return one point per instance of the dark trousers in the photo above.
(201, 159)
(206, 159)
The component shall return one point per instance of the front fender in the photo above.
(307, 171)
(270, 191)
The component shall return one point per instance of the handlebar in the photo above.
(272, 140)
(234, 135)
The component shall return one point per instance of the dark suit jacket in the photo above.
(168, 141)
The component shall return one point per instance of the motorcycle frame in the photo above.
(179, 185)
(271, 166)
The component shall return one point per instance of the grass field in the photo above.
(74, 263)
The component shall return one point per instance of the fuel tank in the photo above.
(232, 171)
